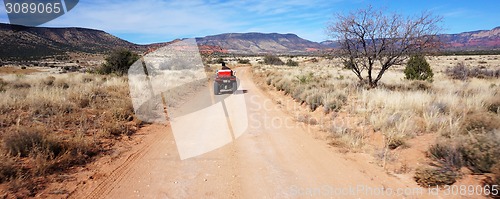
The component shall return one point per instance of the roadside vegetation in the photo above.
(51, 123)
(118, 62)
(461, 114)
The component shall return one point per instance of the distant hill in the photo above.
(260, 43)
(476, 40)
(19, 42)
(467, 41)
(34, 42)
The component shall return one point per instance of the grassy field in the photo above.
(51, 123)
(459, 110)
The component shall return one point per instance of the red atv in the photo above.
(225, 80)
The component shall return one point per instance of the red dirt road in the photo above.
(275, 158)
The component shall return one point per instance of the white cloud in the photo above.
(145, 17)
(176, 19)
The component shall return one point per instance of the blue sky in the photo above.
(149, 21)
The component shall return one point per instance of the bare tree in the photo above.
(374, 41)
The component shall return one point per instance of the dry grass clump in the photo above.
(464, 114)
(475, 145)
(51, 123)
(447, 155)
(494, 179)
(308, 88)
(493, 104)
(7, 167)
(462, 72)
(273, 60)
(433, 176)
(480, 122)
(307, 119)
(480, 151)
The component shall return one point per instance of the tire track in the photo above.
(117, 175)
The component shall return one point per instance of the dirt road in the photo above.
(274, 158)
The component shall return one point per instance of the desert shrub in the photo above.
(481, 151)
(81, 100)
(305, 78)
(7, 167)
(243, 61)
(87, 78)
(273, 60)
(47, 152)
(23, 141)
(125, 112)
(447, 154)
(279, 84)
(269, 80)
(297, 92)
(118, 62)
(479, 122)
(396, 142)
(216, 61)
(462, 72)
(3, 85)
(49, 81)
(459, 71)
(314, 100)
(20, 85)
(419, 85)
(334, 102)
(307, 119)
(495, 178)
(290, 62)
(493, 104)
(61, 83)
(116, 128)
(433, 176)
(417, 68)
(438, 107)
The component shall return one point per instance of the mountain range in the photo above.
(32, 42)
(258, 43)
(35, 42)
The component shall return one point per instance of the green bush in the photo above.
(290, 62)
(273, 60)
(118, 62)
(417, 68)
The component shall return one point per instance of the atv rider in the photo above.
(224, 67)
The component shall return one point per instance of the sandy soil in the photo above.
(275, 158)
